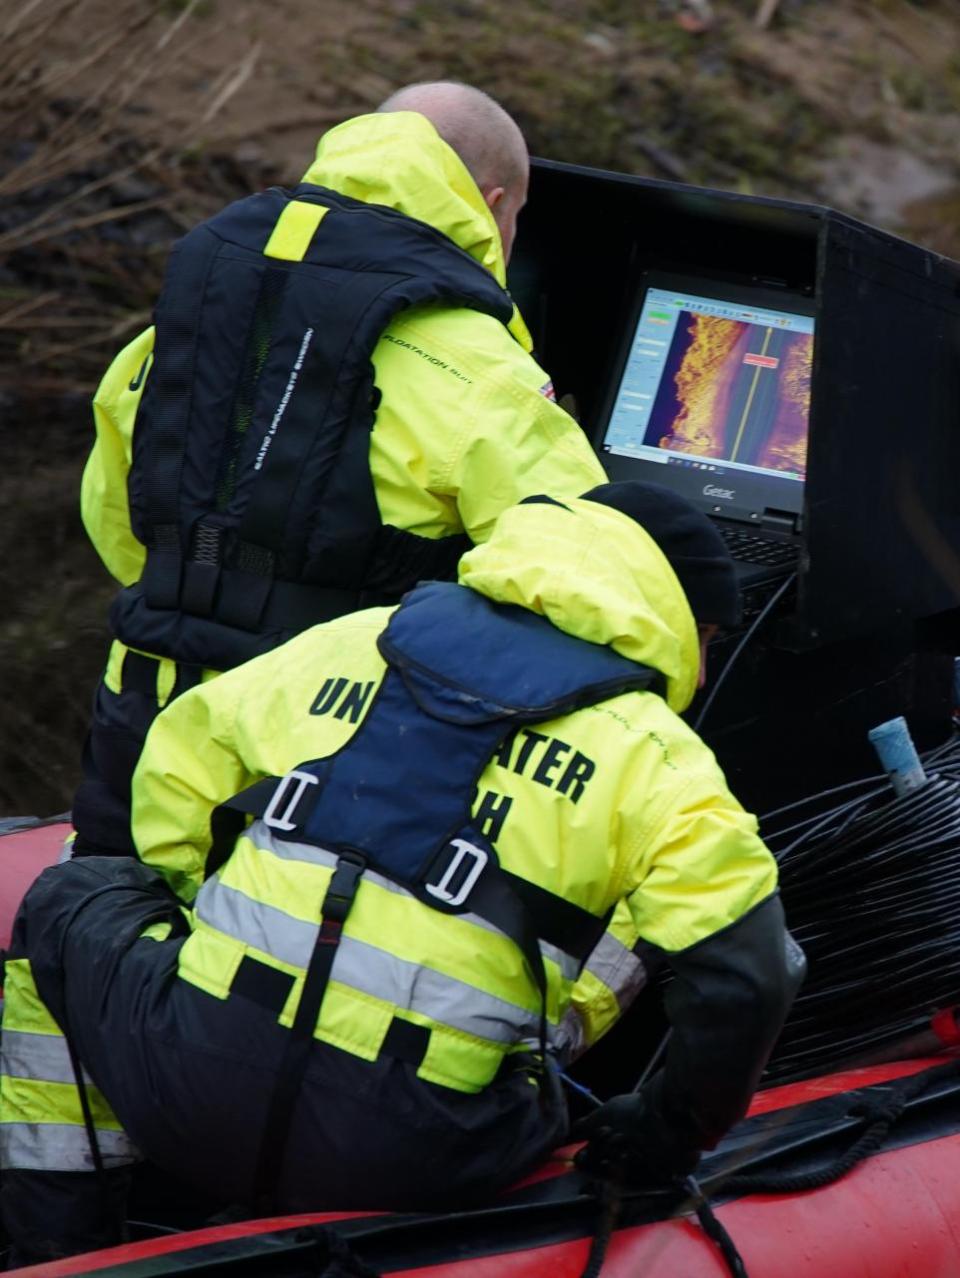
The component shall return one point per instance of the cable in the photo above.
(654, 1060)
(871, 889)
(734, 656)
(815, 798)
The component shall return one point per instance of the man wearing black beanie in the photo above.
(633, 1135)
(694, 548)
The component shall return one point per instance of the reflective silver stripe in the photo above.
(568, 965)
(618, 968)
(43, 1057)
(262, 837)
(61, 1147)
(365, 968)
(570, 1039)
(621, 971)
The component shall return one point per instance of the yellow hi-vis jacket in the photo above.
(619, 804)
(467, 425)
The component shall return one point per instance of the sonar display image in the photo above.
(735, 391)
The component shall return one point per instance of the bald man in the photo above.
(336, 400)
(486, 139)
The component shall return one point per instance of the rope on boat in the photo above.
(611, 1203)
(878, 1115)
(715, 1230)
(611, 1199)
(877, 1118)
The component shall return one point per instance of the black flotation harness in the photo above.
(250, 484)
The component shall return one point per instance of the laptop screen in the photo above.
(714, 400)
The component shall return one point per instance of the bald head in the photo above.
(484, 136)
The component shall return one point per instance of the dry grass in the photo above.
(79, 170)
(123, 122)
(91, 192)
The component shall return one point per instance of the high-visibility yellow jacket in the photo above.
(649, 825)
(465, 427)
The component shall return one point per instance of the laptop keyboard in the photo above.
(751, 549)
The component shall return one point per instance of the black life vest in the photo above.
(250, 485)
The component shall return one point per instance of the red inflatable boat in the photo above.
(850, 1175)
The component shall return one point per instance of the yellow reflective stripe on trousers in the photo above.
(24, 1009)
(41, 1122)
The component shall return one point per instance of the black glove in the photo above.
(629, 1139)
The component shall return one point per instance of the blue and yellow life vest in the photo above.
(462, 673)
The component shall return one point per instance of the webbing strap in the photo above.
(556, 920)
(140, 673)
(520, 909)
(295, 228)
(337, 903)
(168, 396)
(228, 819)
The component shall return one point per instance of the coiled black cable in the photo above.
(871, 888)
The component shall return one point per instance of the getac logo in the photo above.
(711, 490)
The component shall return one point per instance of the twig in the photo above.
(283, 123)
(176, 25)
(20, 238)
(51, 322)
(236, 81)
(26, 308)
(111, 179)
(668, 164)
(766, 13)
(107, 332)
(23, 12)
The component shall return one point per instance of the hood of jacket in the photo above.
(596, 574)
(398, 159)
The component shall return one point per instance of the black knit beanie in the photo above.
(695, 550)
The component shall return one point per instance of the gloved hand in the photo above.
(629, 1138)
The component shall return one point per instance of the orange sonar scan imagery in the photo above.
(736, 391)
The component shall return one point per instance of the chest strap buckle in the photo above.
(463, 851)
(281, 796)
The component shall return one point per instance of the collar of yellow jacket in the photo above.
(594, 573)
(399, 160)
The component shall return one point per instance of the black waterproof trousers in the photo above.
(191, 1076)
(119, 725)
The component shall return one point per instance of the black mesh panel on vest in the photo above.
(259, 338)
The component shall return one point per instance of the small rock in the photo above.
(602, 43)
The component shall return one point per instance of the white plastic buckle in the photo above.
(442, 891)
(282, 821)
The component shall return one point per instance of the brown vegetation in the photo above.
(122, 122)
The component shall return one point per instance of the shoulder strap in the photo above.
(168, 395)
